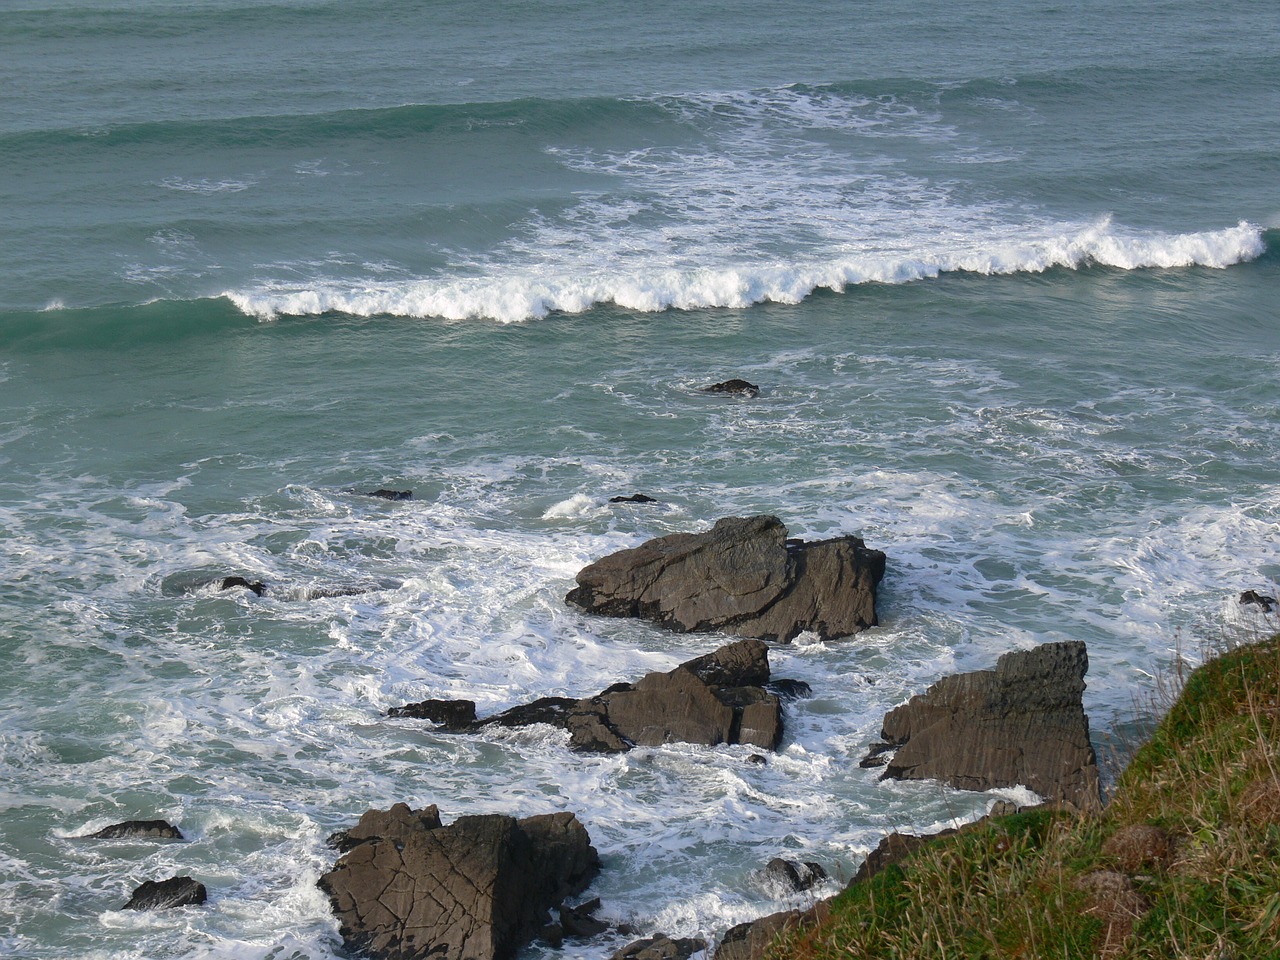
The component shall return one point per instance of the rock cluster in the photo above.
(478, 889)
(742, 577)
(1022, 723)
(713, 699)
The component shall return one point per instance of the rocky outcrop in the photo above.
(742, 577)
(138, 830)
(478, 889)
(1022, 723)
(735, 387)
(713, 699)
(786, 877)
(165, 894)
(751, 940)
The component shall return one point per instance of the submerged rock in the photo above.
(634, 498)
(661, 947)
(383, 494)
(790, 876)
(138, 830)
(231, 583)
(742, 577)
(165, 894)
(478, 889)
(1254, 598)
(1022, 723)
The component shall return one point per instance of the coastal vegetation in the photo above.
(1184, 860)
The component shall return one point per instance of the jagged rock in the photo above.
(1022, 723)
(735, 386)
(383, 494)
(790, 876)
(634, 498)
(450, 714)
(712, 699)
(477, 889)
(580, 921)
(1252, 597)
(163, 894)
(661, 947)
(742, 577)
(138, 830)
(230, 583)
(751, 940)
(399, 823)
(895, 848)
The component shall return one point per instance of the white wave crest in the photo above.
(530, 292)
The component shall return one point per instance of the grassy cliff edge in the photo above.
(1183, 862)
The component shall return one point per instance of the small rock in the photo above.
(634, 498)
(579, 921)
(758, 759)
(230, 583)
(1252, 597)
(452, 715)
(878, 755)
(789, 690)
(789, 876)
(735, 386)
(138, 830)
(383, 494)
(163, 894)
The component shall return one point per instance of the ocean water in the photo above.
(1007, 275)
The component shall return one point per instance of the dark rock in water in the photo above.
(450, 714)
(790, 876)
(1267, 603)
(661, 947)
(758, 759)
(138, 830)
(736, 386)
(1021, 723)
(580, 921)
(397, 824)
(790, 689)
(634, 498)
(163, 894)
(382, 494)
(478, 889)
(742, 577)
(709, 700)
(230, 583)
(878, 755)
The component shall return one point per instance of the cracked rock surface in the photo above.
(478, 889)
(743, 577)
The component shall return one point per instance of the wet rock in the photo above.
(634, 498)
(661, 947)
(751, 940)
(790, 876)
(478, 889)
(383, 494)
(450, 714)
(743, 577)
(138, 830)
(164, 894)
(1022, 723)
(735, 386)
(790, 690)
(1253, 598)
(709, 700)
(580, 921)
(231, 583)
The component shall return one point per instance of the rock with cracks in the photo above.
(1022, 723)
(742, 577)
(478, 889)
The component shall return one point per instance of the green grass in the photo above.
(1047, 884)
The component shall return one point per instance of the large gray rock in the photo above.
(1021, 723)
(742, 577)
(478, 889)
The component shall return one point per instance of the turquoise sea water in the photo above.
(1006, 274)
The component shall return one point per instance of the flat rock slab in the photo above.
(478, 889)
(742, 577)
(1022, 723)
